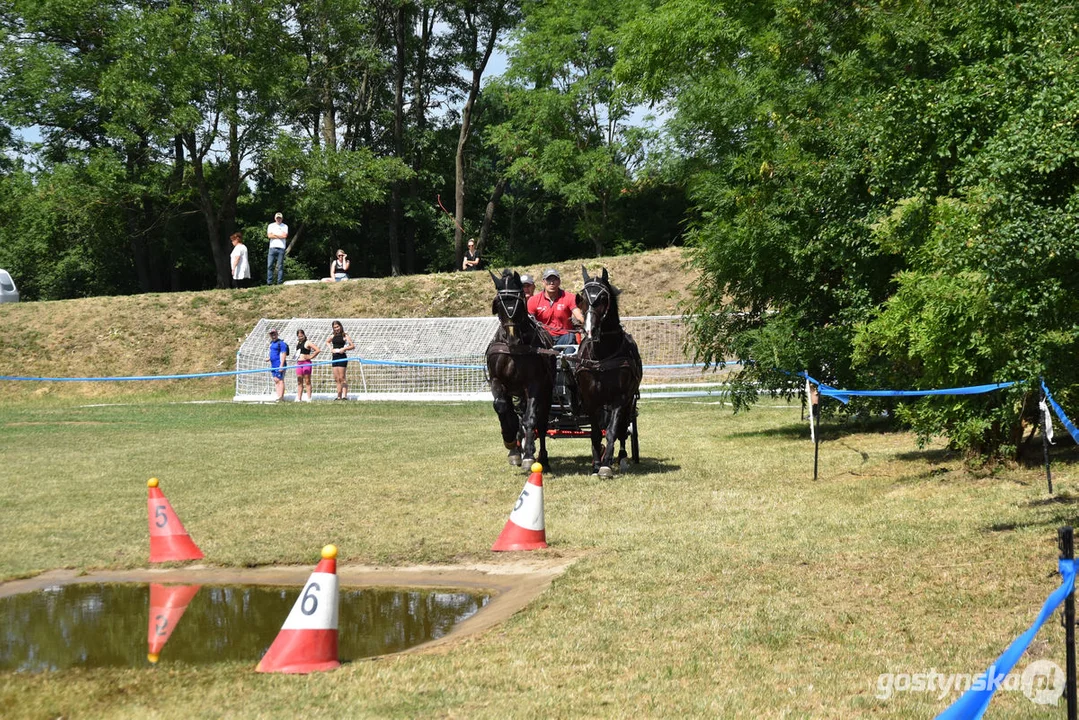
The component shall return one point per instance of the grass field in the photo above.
(715, 579)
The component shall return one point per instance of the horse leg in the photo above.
(507, 418)
(607, 460)
(623, 433)
(528, 430)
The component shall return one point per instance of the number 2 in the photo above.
(162, 623)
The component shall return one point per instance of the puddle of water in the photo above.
(117, 625)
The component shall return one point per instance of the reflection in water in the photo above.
(99, 625)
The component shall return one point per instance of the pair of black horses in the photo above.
(521, 361)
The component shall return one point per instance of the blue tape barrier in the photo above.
(361, 361)
(844, 396)
(971, 705)
(1072, 430)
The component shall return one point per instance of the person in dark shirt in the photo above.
(340, 343)
(472, 258)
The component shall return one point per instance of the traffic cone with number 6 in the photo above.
(168, 539)
(308, 639)
(524, 530)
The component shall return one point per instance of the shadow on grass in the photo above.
(582, 465)
(1061, 511)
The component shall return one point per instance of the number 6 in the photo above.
(308, 596)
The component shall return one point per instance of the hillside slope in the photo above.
(178, 333)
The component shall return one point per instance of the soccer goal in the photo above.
(431, 359)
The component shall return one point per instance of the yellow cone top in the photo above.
(152, 657)
(329, 552)
(152, 482)
(536, 467)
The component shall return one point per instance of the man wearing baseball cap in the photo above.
(277, 232)
(278, 359)
(556, 309)
(528, 284)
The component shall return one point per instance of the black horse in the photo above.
(608, 372)
(520, 363)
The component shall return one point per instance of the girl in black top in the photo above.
(340, 343)
(339, 267)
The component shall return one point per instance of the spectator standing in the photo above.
(556, 309)
(278, 360)
(339, 267)
(472, 258)
(277, 232)
(306, 352)
(340, 343)
(241, 267)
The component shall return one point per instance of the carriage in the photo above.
(541, 390)
(566, 419)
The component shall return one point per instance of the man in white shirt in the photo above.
(241, 268)
(277, 232)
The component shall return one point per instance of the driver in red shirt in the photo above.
(556, 309)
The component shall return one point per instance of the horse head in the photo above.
(600, 301)
(510, 304)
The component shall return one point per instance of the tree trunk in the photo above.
(462, 141)
(488, 215)
(419, 122)
(396, 214)
(209, 212)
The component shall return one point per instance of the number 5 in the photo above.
(162, 517)
(520, 500)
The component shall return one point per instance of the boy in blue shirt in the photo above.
(278, 359)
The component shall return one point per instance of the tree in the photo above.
(880, 187)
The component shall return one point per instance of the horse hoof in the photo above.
(515, 460)
(606, 473)
(623, 464)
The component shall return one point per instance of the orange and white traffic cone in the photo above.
(308, 639)
(524, 530)
(168, 539)
(167, 606)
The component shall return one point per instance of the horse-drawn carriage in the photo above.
(590, 390)
(567, 419)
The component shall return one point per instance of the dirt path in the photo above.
(512, 584)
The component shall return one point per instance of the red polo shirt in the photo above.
(556, 315)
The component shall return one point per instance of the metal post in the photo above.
(814, 418)
(1066, 542)
(1045, 443)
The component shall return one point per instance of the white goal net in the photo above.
(437, 358)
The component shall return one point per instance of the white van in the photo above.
(8, 293)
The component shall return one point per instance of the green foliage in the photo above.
(887, 192)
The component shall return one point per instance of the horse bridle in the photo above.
(593, 291)
(516, 297)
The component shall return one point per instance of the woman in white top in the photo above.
(241, 268)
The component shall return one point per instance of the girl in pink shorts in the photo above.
(307, 352)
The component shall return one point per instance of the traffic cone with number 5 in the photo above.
(308, 639)
(524, 530)
(168, 539)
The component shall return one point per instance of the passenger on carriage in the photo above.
(556, 309)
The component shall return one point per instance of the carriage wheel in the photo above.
(634, 444)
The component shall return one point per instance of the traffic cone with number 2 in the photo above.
(308, 639)
(168, 539)
(167, 606)
(524, 530)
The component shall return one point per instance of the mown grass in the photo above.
(717, 578)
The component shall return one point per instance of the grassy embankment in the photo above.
(179, 333)
(716, 579)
